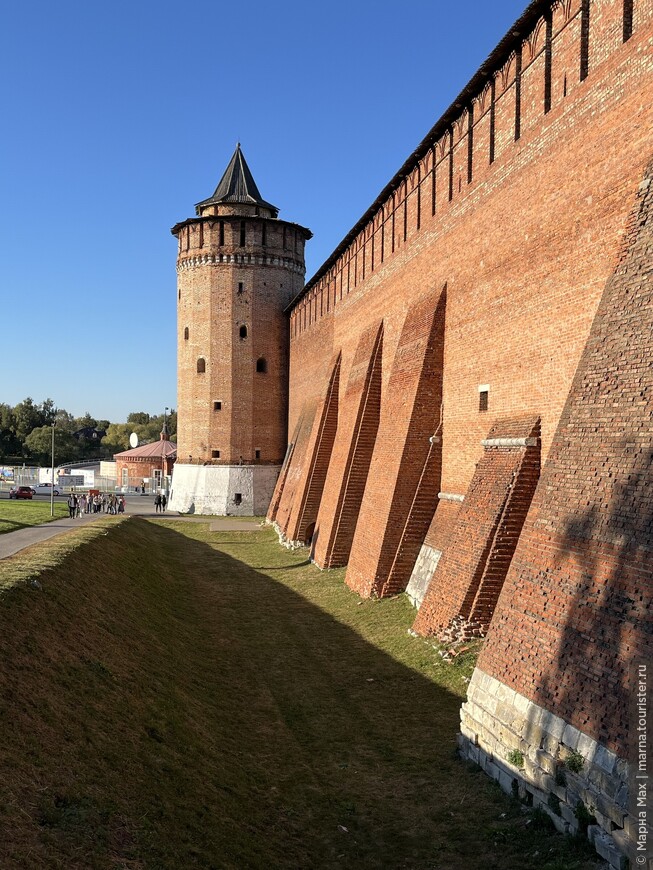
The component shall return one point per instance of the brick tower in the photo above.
(238, 267)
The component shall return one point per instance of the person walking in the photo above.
(157, 502)
(72, 505)
(164, 502)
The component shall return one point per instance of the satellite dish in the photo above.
(133, 440)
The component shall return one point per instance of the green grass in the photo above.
(176, 698)
(19, 514)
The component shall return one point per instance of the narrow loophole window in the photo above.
(483, 400)
(201, 366)
(186, 334)
(261, 365)
(243, 331)
(238, 498)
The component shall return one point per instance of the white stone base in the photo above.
(424, 569)
(214, 489)
(529, 752)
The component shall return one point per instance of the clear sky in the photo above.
(118, 117)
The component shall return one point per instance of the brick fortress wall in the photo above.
(510, 214)
(574, 620)
(514, 203)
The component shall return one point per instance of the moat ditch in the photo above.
(176, 697)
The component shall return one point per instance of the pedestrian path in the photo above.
(14, 542)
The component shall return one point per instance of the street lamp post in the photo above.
(164, 461)
(54, 423)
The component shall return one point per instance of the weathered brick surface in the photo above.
(306, 502)
(280, 486)
(284, 496)
(470, 574)
(443, 524)
(575, 615)
(352, 454)
(525, 247)
(227, 289)
(403, 483)
(521, 228)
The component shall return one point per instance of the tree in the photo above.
(138, 418)
(38, 446)
(117, 438)
(10, 445)
(27, 416)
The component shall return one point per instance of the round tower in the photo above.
(238, 267)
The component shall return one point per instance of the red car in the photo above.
(21, 492)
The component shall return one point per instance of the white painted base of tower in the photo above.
(223, 490)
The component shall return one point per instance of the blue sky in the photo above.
(118, 117)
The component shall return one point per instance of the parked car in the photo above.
(21, 492)
(45, 489)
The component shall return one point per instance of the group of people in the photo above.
(160, 502)
(95, 504)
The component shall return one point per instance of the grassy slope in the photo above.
(167, 704)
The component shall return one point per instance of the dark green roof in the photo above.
(237, 185)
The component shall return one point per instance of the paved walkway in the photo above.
(14, 542)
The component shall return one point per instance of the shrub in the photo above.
(575, 761)
(516, 757)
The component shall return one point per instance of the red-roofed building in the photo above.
(148, 465)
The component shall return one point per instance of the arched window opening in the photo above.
(261, 365)
(243, 331)
(201, 365)
(186, 333)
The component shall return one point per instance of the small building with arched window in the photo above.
(148, 467)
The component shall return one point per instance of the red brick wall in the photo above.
(575, 613)
(223, 286)
(283, 497)
(522, 228)
(306, 499)
(524, 248)
(404, 477)
(350, 462)
(467, 582)
(443, 525)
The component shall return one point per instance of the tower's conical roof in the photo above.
(238, 185)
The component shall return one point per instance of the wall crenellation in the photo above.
(489, 446)
(505, 105)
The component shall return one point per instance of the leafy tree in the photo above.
(117, 438)
(9, 444)
(86, 422)
(139, 418)
(27, 416)
(38, 446)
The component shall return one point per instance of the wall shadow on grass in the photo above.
(163, 703)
